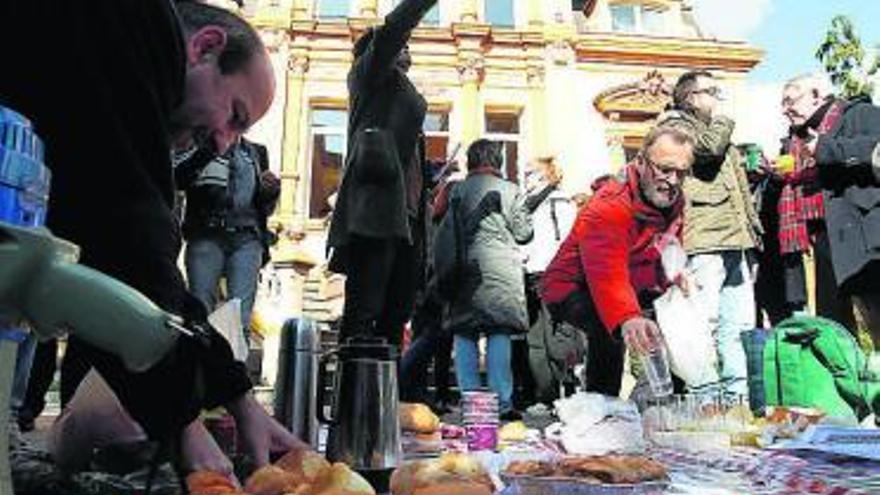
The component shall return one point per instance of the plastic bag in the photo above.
(685, 328)
(227, 320)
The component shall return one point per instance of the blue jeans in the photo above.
(238, 256)
(467, 366)
(727, 291)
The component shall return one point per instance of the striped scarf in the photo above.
(801, 203)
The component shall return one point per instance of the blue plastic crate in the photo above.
(24, 179)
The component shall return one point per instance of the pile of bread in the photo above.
(450, 474)
(420, 429)
(603, 469)
(299, 472)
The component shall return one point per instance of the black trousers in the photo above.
(382, 280)
(605, 351)
(431, 343)
(830, 302)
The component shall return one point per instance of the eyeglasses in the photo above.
(788, 101)
(665, 172)
(713, 91)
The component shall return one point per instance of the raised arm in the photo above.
(389, 39)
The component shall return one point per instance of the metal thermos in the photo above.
(296, 383)
(364, 427)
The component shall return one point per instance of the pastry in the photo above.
(608, 469)
(452, 474)
(418, 418)
(531, 468)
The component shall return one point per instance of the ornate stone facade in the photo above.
(545, 79)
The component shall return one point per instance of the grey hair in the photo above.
(679, 133)
(813, 81)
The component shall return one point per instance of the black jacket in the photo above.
(852, 196)
(207, 206)
(381, 96)
(100, 87)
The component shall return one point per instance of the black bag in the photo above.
(450, 252)
(374, 156)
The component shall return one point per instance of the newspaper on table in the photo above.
(840, 440)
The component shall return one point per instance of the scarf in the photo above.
(801, 203)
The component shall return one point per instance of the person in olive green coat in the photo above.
(721, 225)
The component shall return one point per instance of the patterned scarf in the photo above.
(801, 203)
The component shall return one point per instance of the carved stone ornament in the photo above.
(274, 39)
(471, 68)
(640, 100)
(297, 64)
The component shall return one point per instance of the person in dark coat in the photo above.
(377, 228)
(812, 110)
(848, 157)
(491, 300)
(148, 76)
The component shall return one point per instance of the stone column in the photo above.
(469, 107)
(468, 11)
(300, 9)
(535, 13)
(368, 8)
(538, 145)
(290, 169)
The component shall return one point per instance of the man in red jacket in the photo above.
(608, 271)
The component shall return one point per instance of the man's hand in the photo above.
(200, 452)
(270, 183)
(641, 335)
(259, 433)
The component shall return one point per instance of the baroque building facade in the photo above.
(543, 76)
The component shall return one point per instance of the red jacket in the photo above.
(614, 251)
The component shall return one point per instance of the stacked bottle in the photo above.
(24, 180)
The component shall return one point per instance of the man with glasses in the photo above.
(808, 103)
(607, 272)
(721, 225)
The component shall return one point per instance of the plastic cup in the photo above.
(785, 163)
(656, 366)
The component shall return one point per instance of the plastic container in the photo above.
(24, 180)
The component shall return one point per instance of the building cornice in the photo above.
(666, 51)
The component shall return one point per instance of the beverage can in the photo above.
(482, 437)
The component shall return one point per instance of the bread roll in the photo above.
(271, 480)
(335, 479)
(208, 483)
(304, 465)
(418, 418)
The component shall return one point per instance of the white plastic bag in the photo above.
(227, 320)
(685, 328)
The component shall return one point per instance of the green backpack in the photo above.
(816, 362)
